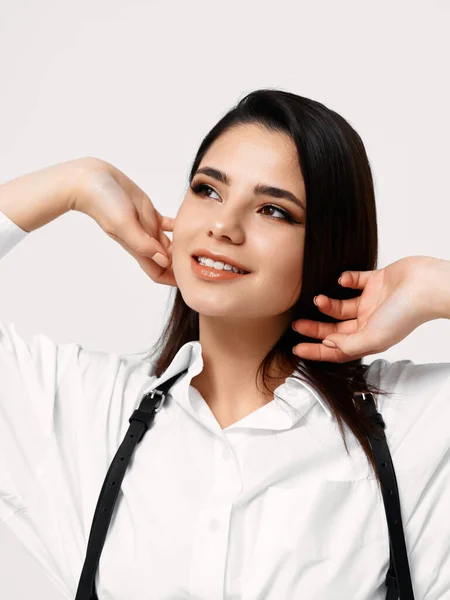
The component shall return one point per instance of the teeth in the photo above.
(220, 266)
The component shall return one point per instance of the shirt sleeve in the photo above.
(10, 234)
(56, 402)
(417, 405)
(417, 418)
(64, 411)
(30, 371)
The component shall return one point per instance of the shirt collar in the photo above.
(297, 397)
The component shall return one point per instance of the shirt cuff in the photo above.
(10, 234)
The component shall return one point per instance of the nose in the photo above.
(227, 227)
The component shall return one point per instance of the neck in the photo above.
(232, 351)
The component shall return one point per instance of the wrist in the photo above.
(77, 178)
(434, 276)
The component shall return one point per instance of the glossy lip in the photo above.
(211, 274)
(219, 257)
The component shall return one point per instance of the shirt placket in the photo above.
(209, 556)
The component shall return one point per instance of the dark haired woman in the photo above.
(256, 479)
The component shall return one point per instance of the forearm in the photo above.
(35, 199)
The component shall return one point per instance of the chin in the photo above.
(212, 308)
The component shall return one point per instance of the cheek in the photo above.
(185, 227)
(183, 241)
(286, 285)
(285, 278)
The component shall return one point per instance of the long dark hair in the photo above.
(340, 234)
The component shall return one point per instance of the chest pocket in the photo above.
(324, 519)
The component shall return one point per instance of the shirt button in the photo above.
(226, 453)
(213, 525)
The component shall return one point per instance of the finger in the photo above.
(339, 309)
(167, 244)
(131, 232)
(167, 223)
(164, 275)
(320, 330)
(152, 221)
(355, 279)
(361, 343)
(320, 352)
(162, 224)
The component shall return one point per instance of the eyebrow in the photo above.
(260, 188)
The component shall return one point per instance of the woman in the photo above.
(256, 480)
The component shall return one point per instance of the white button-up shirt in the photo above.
(269, 508)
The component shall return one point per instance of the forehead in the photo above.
(252, 153)
(254, 138)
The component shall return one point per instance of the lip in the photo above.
(210, 274)
(220, 257)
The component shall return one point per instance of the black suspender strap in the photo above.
(140, 421)
(398, 578)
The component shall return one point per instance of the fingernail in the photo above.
(160, 259)
(329, 344)
(315, 301)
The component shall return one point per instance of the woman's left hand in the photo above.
(394, 302)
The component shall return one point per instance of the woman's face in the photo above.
(233, 220)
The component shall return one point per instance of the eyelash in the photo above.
(287, 217)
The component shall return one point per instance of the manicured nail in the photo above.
(160, 259)
(329, 344)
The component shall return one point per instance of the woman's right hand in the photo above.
(127, 215)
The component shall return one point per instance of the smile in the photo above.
(212, 274)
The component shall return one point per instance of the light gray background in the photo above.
(140, 83)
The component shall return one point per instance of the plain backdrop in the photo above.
(139, 83)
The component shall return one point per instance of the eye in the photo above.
(285, 214)
(202, 190)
